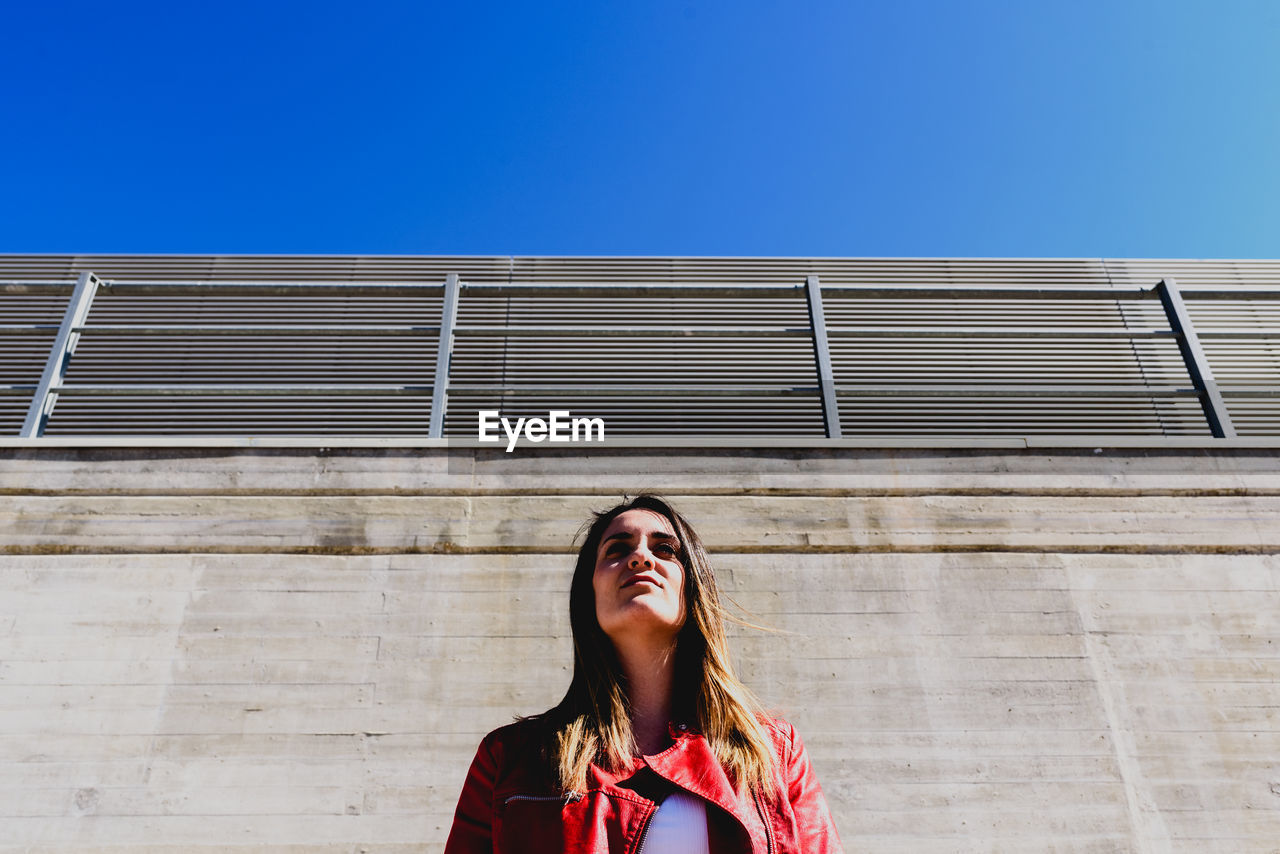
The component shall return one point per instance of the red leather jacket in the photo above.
(510, 804)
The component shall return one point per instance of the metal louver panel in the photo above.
(699, 347)
(251, 358)
(1241, 340)
(376, 414)
(1043, 348)
(676, 361)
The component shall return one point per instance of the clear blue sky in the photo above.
(1020, 128)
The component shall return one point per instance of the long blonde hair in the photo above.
(592, 723)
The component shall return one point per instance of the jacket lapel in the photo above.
(691, 765)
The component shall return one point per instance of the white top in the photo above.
(678, 827)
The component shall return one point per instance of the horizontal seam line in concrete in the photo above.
(790, 550)
(778, 492)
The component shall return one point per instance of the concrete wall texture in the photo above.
(295, 649)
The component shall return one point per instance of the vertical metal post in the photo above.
(444, 354)
(1215, 408)
(826, 376)
(64, 345)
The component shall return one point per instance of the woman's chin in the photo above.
(638, 617)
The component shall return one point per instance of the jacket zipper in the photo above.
(768, 831)
(644, 831)
(566, 799)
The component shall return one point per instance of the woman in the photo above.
(657, 748)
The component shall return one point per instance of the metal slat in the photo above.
(623, 331)
(274, 289)
(140, 389)
(1143, 391)
(1092, 271)
(258, 331)
(633, 290)
(639, 390)
(28, 329)
(974, 332)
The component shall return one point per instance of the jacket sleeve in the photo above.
(472, 831)
(816, 830)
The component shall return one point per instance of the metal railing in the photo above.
(799, 358)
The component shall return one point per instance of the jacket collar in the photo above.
(692, 765)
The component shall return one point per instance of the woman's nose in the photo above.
(639, 560)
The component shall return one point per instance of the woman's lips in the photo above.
(636, 579)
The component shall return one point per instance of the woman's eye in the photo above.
(665, 549)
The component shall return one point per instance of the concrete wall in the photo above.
(297, 650)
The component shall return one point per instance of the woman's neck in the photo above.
(650, 671)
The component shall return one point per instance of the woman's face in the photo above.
(639, 580)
